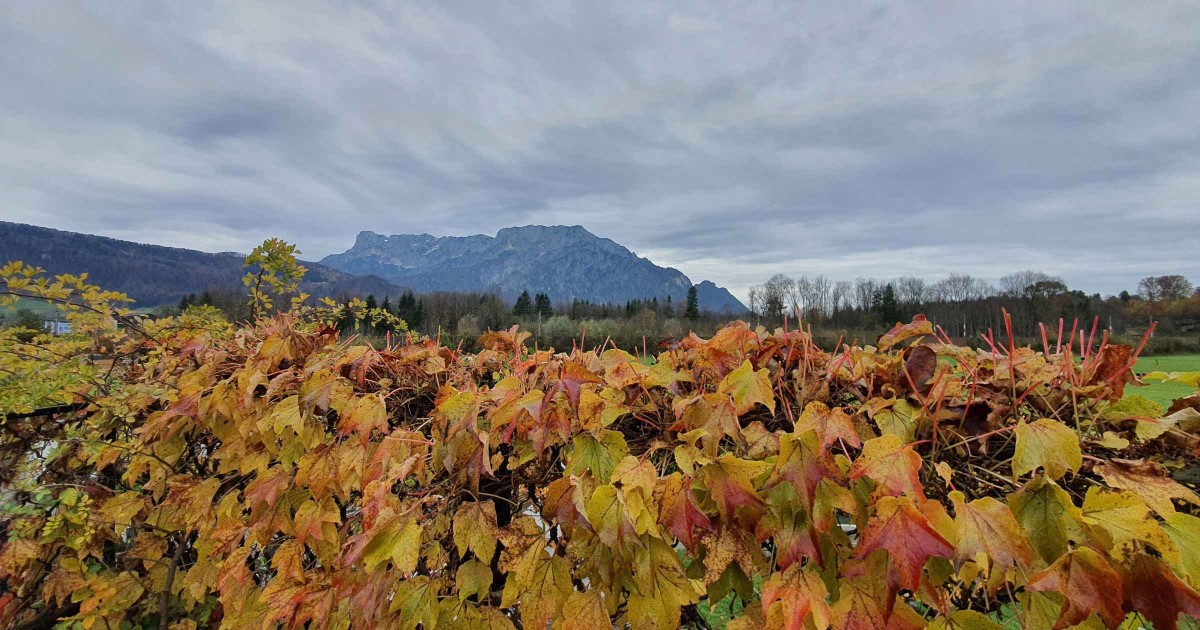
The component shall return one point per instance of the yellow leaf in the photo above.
(585, 612)
(748, 387)
(473, 578)
(1049, 444)
(398, 540)
(1125, 517)
(475, 529)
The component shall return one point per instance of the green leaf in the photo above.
(599, 457)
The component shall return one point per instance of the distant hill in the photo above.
(564, 262)
(155, 275)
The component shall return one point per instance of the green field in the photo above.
(1164, 393)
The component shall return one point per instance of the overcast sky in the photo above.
(730, 141)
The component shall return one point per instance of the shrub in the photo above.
(272, 475)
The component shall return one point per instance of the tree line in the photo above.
(965, 305)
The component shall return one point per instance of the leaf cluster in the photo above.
(273, 474)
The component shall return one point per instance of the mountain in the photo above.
(564, 262)
(155, 275)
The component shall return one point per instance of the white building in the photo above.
(57, 326)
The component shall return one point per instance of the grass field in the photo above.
(1164, 393)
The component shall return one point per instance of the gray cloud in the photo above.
(731, 141)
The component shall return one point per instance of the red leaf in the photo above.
(907, 536)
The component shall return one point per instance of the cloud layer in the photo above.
(729, 141)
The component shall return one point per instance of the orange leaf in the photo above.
(893, 465)
(790, 597)
(830, 424)
(1087, 582)
(987, 526)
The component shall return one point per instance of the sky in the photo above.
(731, 141)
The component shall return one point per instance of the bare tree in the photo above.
(1017, 285)
(779, 295)
(956, 287)
(821, 287)
(864, 291)
(910, 290)
(840, 297)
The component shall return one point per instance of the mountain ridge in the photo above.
(156, 274)
(565, 262)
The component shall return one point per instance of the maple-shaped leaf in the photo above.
(730, 481)
(728, 545)
(830, 498)
(571, 380)
(803, 463)
(585, 611)
(1184, 531)
(397, 538)
(830, 424)
(416, 602)
(1124, 516)
(600, 409)
(792, 596)
(473, 578)
(748, 387)
(794, 537)
(906, 534)
(894, 466)
(713, 414)
(864, 603)
(455, 411)
(866, 594)
(986, 527)
(541, 591)
(1152, 590)
(598, 456)
(678, 512)
(662, 588)
(325, 391)
(1049, 444)
(564, 504)
(1088, 584)
(894, 417)
(475, 529)
(1149, 481)
(315, 520)
(1047, 516)
(608, 516)
(366, 415)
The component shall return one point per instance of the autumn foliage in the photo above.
(276, 475)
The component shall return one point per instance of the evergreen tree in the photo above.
(885, 305)
(206, 299)
(670, 309)
(371, 303)
(542, 306)
(387, 304)
(693, 304)
(185, 302)
(524, 305)
(418, 316)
